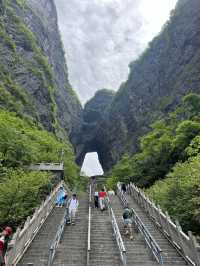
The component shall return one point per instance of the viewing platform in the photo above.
(55, 167)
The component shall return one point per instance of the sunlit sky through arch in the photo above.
(101, 38)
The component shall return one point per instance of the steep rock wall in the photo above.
(34, 78)
(167, 70)
(95, 112)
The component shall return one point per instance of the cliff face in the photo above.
(94, 114)
(34, 78)
(168, 69)
(69, 110)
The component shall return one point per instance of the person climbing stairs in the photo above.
(170, 256)
(137, 252)
(72, 250)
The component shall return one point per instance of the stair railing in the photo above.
(150, 241)
(58, 236)
(122, 197)
(117, 234)
(23, 237)
(185, 244)
(89, 227)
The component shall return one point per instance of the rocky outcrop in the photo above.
(167, 70)
(94, 115)
(69, 110)
(34, 78)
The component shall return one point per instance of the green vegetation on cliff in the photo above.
(22, 143)
(17, 41)
(169, 163)
(38, 108)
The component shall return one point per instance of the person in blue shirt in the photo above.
(61, 197)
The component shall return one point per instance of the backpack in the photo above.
(127, 214)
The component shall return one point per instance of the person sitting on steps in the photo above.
(128, 220)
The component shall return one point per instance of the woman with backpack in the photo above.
(128, 220)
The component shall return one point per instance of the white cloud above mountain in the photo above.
(101, 37)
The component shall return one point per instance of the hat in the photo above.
(8, 230)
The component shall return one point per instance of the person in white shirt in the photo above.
(73, 206)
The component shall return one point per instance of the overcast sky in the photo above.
(101, 37)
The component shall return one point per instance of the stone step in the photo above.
(72, 249)
(38, 251)
(170, 255)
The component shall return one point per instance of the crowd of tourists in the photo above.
(72, 204)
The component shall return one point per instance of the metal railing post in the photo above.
(89, 227)
(186, 245)
(151, 243)
(117, 234)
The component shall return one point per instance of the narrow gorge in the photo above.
(146, 132)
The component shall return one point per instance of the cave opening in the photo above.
(91, 165)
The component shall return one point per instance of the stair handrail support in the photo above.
(122, 197)
(117, 233)
(186, 245)
(58, 236)
(89, 226)
(23, 237)
(150, 241)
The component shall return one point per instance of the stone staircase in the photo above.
(37, 253)
(104, 250)
(170, 256)
(137, 253)
(72, 250)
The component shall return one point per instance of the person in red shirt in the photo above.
(4, 238)
(102, 196)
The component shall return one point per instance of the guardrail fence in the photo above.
(185, 244)
(23, 237)
(150, 241)
(117, 234)
(58, 236)
(89, 226)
